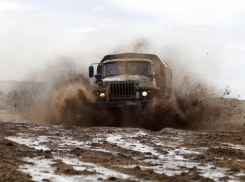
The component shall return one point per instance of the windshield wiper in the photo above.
(108, 71)
(144, 71)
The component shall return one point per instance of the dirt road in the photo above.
(62, 152)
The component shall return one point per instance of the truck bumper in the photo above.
(118, 104)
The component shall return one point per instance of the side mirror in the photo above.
(98, 76)
(99, 79)
(91, 71)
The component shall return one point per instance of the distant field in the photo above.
(8, 86)
(10, 116)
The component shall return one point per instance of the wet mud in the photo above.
(68, 153)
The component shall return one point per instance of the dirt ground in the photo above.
(31, 152)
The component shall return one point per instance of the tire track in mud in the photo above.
(128, 153)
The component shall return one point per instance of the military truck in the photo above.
(130, 79)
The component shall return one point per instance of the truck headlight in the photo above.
(144, 94)
(102, 94)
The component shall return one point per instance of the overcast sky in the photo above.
(208, 36)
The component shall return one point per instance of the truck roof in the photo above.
(127, 60)
(131, 55)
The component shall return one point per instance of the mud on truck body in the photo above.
(130, 79)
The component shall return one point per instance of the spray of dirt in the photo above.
(139, 45)
(71, 103)
(67, 99)
(195, 103)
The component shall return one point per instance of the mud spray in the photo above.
(67, 98)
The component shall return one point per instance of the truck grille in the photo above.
(122, 90)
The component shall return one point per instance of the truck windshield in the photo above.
(130, 68)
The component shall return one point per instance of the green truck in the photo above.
(130, 79)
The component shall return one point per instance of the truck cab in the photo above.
(126, 79)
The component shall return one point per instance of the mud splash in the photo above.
(69, 100)
(66, 99)
(71, 103)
